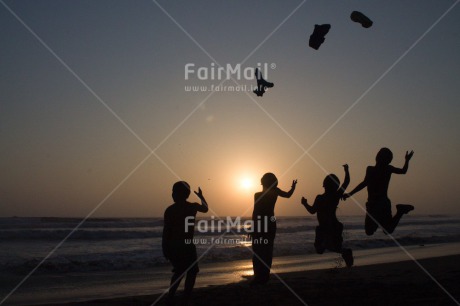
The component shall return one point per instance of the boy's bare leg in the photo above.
(404, 208)
(347, 255)
(189, 284)
(369, 225)
(175, 282)
(401, 209)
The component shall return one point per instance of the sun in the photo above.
(246, 183)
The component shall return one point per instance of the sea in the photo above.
(45, 260)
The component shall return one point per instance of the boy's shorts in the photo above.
(329, 238)
(380, 211)
(184, 257)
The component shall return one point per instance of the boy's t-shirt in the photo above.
(326, 206)
(175, 224)
(378, 180)
(264, 203)
(176, 232)
(264, 211)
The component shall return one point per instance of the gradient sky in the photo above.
(64, 152)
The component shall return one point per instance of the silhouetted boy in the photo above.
(177, 242)
(329, 229)
(378, 206)
(264, 226)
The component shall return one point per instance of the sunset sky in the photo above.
(94, 111)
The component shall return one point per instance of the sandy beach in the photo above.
(398, 283)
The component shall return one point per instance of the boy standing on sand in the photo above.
(329, 229)
(264, 226)
(378, 206)
(177, 242)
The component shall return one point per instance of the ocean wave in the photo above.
(70, 223)
(87, 263)
(148, 258)
(121, 233)
(81, 234)
(110, 244)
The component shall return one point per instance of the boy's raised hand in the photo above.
(199, 193)
(304, 201)
(294, 182)
(409, 155)
(204, 205)
(345, 167)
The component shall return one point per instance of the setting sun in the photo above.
(246, 183)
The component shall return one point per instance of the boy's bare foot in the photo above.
(169, 301)
(404, 208)
(258, 92)
(347, 255)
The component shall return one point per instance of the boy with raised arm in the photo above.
(178, 230)
(329, 229)
(378, 206)
(264, 226)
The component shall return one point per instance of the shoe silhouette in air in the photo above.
(361, 18)
(261, 83)
(317, 38)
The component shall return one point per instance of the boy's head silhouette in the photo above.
(384, 157)
(331, 183)
(269, 181)
(180, 191)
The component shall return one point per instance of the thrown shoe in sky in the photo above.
(361, 18)
(261, 83)
(317, 38)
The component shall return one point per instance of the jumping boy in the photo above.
(264, 223)
(329, 229)
(177, 242)
(378, 206)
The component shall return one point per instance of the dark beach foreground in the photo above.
(400, 283)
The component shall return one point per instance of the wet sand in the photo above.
(397, 283)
